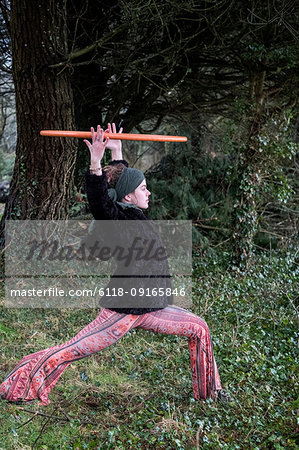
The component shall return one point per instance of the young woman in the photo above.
(36, 374)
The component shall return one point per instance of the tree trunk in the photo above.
(41, 185)
(249, 169)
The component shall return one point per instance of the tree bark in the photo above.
(41, 185)
(249, 169)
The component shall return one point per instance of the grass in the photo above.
(138, 393)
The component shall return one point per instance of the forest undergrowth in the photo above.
(137, 394)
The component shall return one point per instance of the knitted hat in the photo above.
(128, 181)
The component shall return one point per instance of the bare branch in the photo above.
(90, 48)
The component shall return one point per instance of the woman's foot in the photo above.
(223, 396)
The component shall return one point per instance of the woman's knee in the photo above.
(200, 327)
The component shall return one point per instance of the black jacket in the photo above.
(144, 274)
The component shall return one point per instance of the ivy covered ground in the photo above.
(138, 394)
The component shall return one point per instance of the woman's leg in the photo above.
(175, 320)
(36, 374)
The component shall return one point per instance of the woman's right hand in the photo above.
(115, 145)
(96, 147)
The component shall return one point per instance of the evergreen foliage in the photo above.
(138, 393)
(192, 183)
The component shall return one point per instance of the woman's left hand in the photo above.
(96, 147)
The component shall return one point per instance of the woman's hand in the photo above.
(97, 147)
(114, 145)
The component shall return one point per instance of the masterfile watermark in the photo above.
(140, 250)
(98, 247)
(95, 292)
(117, 264)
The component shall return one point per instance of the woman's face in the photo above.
(140, 197)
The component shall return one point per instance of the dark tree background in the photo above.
(224, 72)
(42, 178)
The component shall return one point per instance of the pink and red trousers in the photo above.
(36, 374)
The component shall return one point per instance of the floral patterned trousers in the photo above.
(36, 374)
